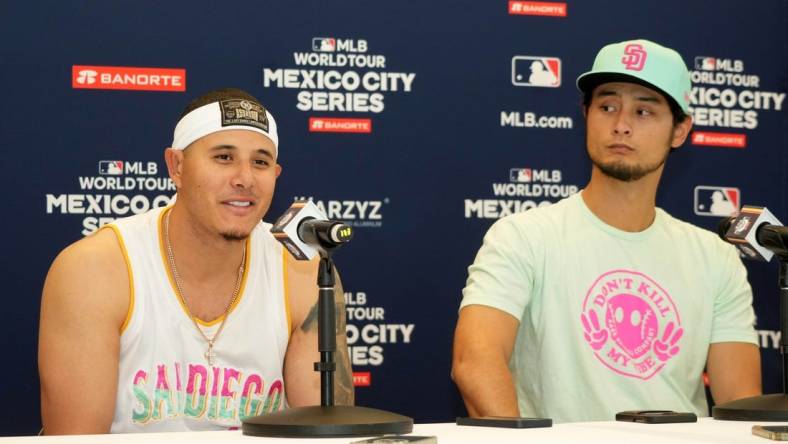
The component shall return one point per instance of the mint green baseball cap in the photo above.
(643, 62)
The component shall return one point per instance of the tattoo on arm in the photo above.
(310, 322)
(343, 378)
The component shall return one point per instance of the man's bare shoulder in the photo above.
(301, 271)
(85, 301)
(92, 274)
(94, 256)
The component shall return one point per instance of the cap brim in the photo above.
(590, 80)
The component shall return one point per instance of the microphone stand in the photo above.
(772, 407)
(327, 419)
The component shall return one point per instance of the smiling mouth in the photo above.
(238, 203)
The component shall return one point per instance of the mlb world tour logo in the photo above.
(724, 95)
(527, 188)
(339, 75)
(121, 188)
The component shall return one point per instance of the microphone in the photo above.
(304, 230)
(329, 233)
(756, 233)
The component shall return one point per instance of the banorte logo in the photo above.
(86, 77)
(635, 57)
(551, 9)
(339, 125)
(128, 78)
(631, 323)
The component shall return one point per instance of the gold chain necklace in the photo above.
(209, 354)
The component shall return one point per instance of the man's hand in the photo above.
(593, 332)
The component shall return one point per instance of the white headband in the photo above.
(221, 116)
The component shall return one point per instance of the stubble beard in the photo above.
(237, 235)
(620, 170)
(627, 173)
(234, 236)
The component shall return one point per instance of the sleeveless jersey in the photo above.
(164, 380)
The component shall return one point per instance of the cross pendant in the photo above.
(209, 355)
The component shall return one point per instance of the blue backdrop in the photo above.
(448, 132)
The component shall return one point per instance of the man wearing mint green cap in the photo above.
(603, 302)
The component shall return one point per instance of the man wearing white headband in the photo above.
(603, 302)
(189, 317)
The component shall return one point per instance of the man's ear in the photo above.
(680, 132)
(174, 160)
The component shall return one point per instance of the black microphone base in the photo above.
(772, 407)
(327, 421)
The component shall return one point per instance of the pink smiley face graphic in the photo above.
(632, 324)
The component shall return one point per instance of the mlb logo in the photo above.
(111, 167)
(324, 44)
(536, 71)
(520, 175)
(705, 63)
(716, 201)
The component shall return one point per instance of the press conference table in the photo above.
(706, 430)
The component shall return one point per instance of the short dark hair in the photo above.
(218, 95)
(675, 109)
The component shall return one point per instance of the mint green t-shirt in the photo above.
(610, 320)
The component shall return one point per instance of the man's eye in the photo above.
(644, 112)
(223, 156)
(261, 162)
(607, 108)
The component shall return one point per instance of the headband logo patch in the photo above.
(635, 57)
(243, 112)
